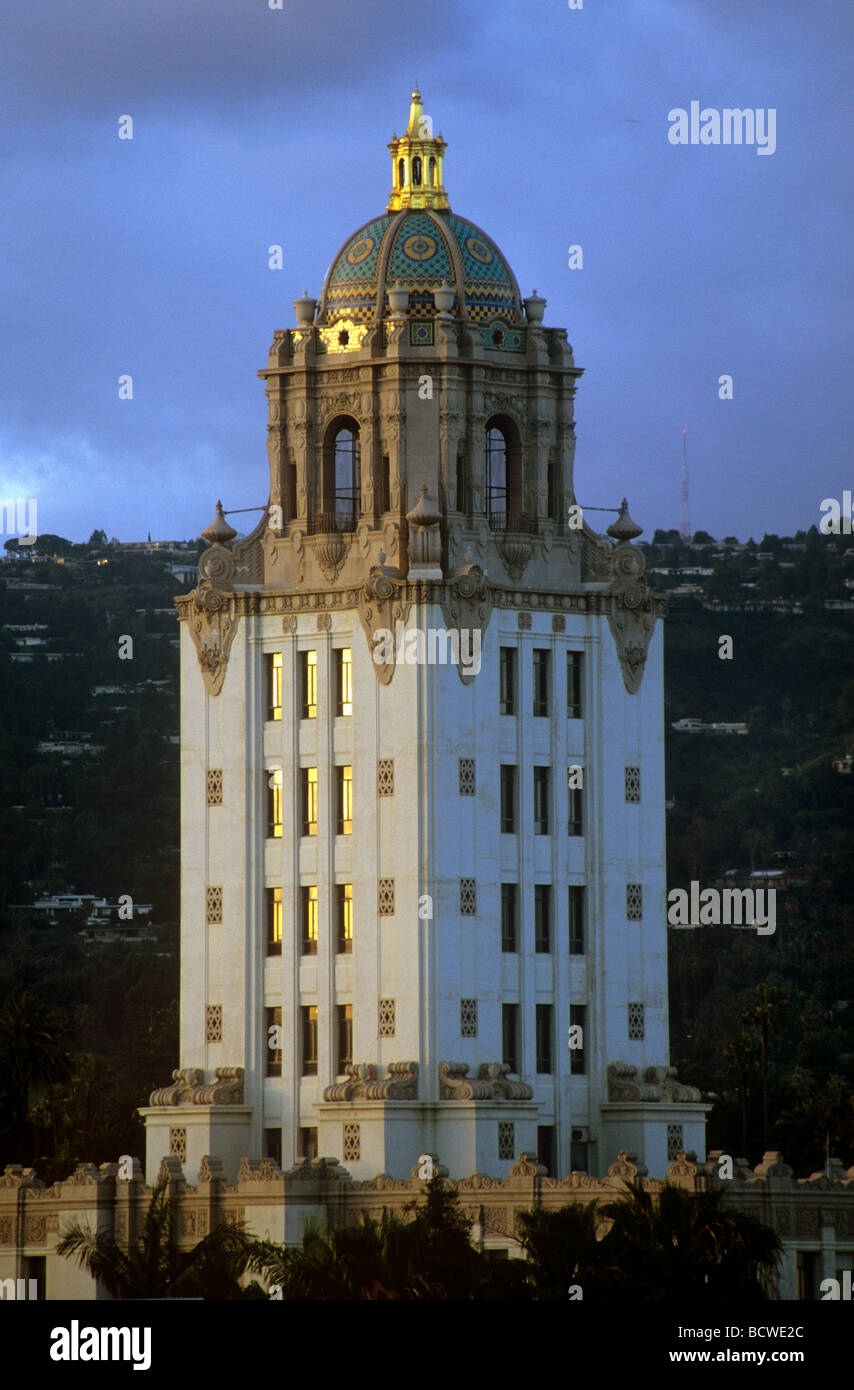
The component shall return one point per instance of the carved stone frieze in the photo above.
(190, 1088)
(489, 1084)
(655, 1084)
(401, 1083)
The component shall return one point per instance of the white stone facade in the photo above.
(422, 398)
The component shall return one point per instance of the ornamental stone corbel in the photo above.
(467, 603)
(632, 616)
(211, 613)
(382, 606)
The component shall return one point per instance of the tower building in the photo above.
(423, 857)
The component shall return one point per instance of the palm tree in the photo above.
(739, 1058)
(566, 1248)
(768, 1012)
(155, 1268)
(31, 1055)
(687, 1244)
(427, 1258)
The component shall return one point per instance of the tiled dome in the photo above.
(420, 249)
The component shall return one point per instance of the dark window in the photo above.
(576, 800)
(542, 918)
(508, 799)
(574, 671)
(291, 492)
(273, 1041)
(541, 682)
(510, 1036)
(541, 801)
(544, 1038)
(401, 173)
(509, 898)
(273, 1146)
(576, 921)
(345, 1036)
(307, 1143)
(546, 1148)
(273, 914)
(807, 1270)
(577, 1056)
(551, 491)
(385, 484)
(35, 1267)
(507, 691)
(308, 1014)
(579, 1160)
(416, 172)
(462, 483)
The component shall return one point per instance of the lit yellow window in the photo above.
(345, 800)
(275, 803)
(309, 684)
(345, 917)
(309, 804)
(274, 937)
(345, 680)
(309, 921)
(274, 685)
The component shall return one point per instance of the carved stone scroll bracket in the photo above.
(401, 1083)
(190, 1088)
(381, 607)
(489, 1084)
(212, 623)
(467, 603)
(656, 1084)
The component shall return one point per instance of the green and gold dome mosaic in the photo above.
(419, 245)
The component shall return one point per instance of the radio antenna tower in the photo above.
(685, 520)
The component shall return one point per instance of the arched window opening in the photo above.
(432, 172)
(416, 171)
(341, 489)
(496, 477)
(503, 475)
(401, 173)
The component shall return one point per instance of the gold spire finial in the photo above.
(416, 163)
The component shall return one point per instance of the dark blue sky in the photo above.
(255, 126)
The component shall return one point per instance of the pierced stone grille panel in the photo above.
(213, 1031)
(675, 1142)
(385, 897)
(467, 777)
(214, 779)
(352, 1143)
(213, 910)
(636, 1022)
(386, 1018)
(178, 1144)
(506, 1140)
(468, 1018)
(633, 784)
(385, 777)
(634, 901)
(468, 897)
